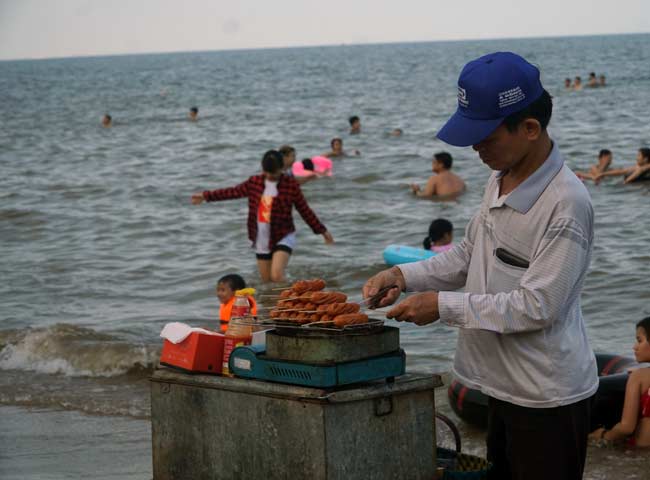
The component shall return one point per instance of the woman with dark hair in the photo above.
(634, 426)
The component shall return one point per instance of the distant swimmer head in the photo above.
(272, 165)
(308, 164)
(605, 157)
(396, 132)
(441, 161)
(107, 120)
(288, 155)
(577, 81)
(490, 89)
(337, 145)
(194, 113)
(567, 83)
(355, 124)
(602, 80)
(643, 157)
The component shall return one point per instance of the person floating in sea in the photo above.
(315, 167)
(636, 173)
(604, 162)
(567, 84)
(226, 288)
(634, 427)
(577, 84)
(522, 339)
(592, 81)
(441, 234)
(444, 183)
(337, 150)
(271, 198)
(396, 132)
(355, 125)
(107, 121)
(194, 114)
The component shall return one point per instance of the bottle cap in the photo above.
(245, 292)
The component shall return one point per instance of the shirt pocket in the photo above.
(503, 277)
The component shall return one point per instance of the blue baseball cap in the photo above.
(489, 89)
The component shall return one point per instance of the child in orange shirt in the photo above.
(226, 288)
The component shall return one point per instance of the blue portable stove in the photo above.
(322, 358)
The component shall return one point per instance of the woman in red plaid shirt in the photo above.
(271, 197)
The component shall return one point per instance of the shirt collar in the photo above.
(527, 192)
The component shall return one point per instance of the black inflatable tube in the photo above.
(471, 405)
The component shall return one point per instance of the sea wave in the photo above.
(64, 349)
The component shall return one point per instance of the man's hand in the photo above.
(197, 199)
(328, 237)
(392, 276)
(421, 309)
(415, 188)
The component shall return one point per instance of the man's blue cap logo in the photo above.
(489, 89)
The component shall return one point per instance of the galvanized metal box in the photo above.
(209, 427)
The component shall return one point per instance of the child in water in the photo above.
(271, 198)
(441, 233)
(226, 288)
(604, 162)
(634, 427)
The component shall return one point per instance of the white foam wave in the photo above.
(74, 351)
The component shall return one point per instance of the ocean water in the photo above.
(100, 247)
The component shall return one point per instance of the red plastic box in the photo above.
(199, 352)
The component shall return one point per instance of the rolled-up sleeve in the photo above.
(545, 288)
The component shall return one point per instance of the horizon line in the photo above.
(324, 45)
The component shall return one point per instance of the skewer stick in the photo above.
(283, 310)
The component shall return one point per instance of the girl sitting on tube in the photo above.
(634, 427)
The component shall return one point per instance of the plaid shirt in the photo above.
(289, 194)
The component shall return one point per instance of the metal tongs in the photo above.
(372, 302)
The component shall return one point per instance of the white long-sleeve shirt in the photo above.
(522, 336)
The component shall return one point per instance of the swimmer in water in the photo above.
(592, 82)
(640, 171)
(355, 125)
(194, 114)
(396, 132)
(604, 161)
(567, 84)
(577, 84)
(444, 182)
(601, 80)
(288, 158)
(107, 121)
(337, 150)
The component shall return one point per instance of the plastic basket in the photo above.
(459, 466)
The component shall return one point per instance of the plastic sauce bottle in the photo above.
(240, 330)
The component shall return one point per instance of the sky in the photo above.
(65, 28)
